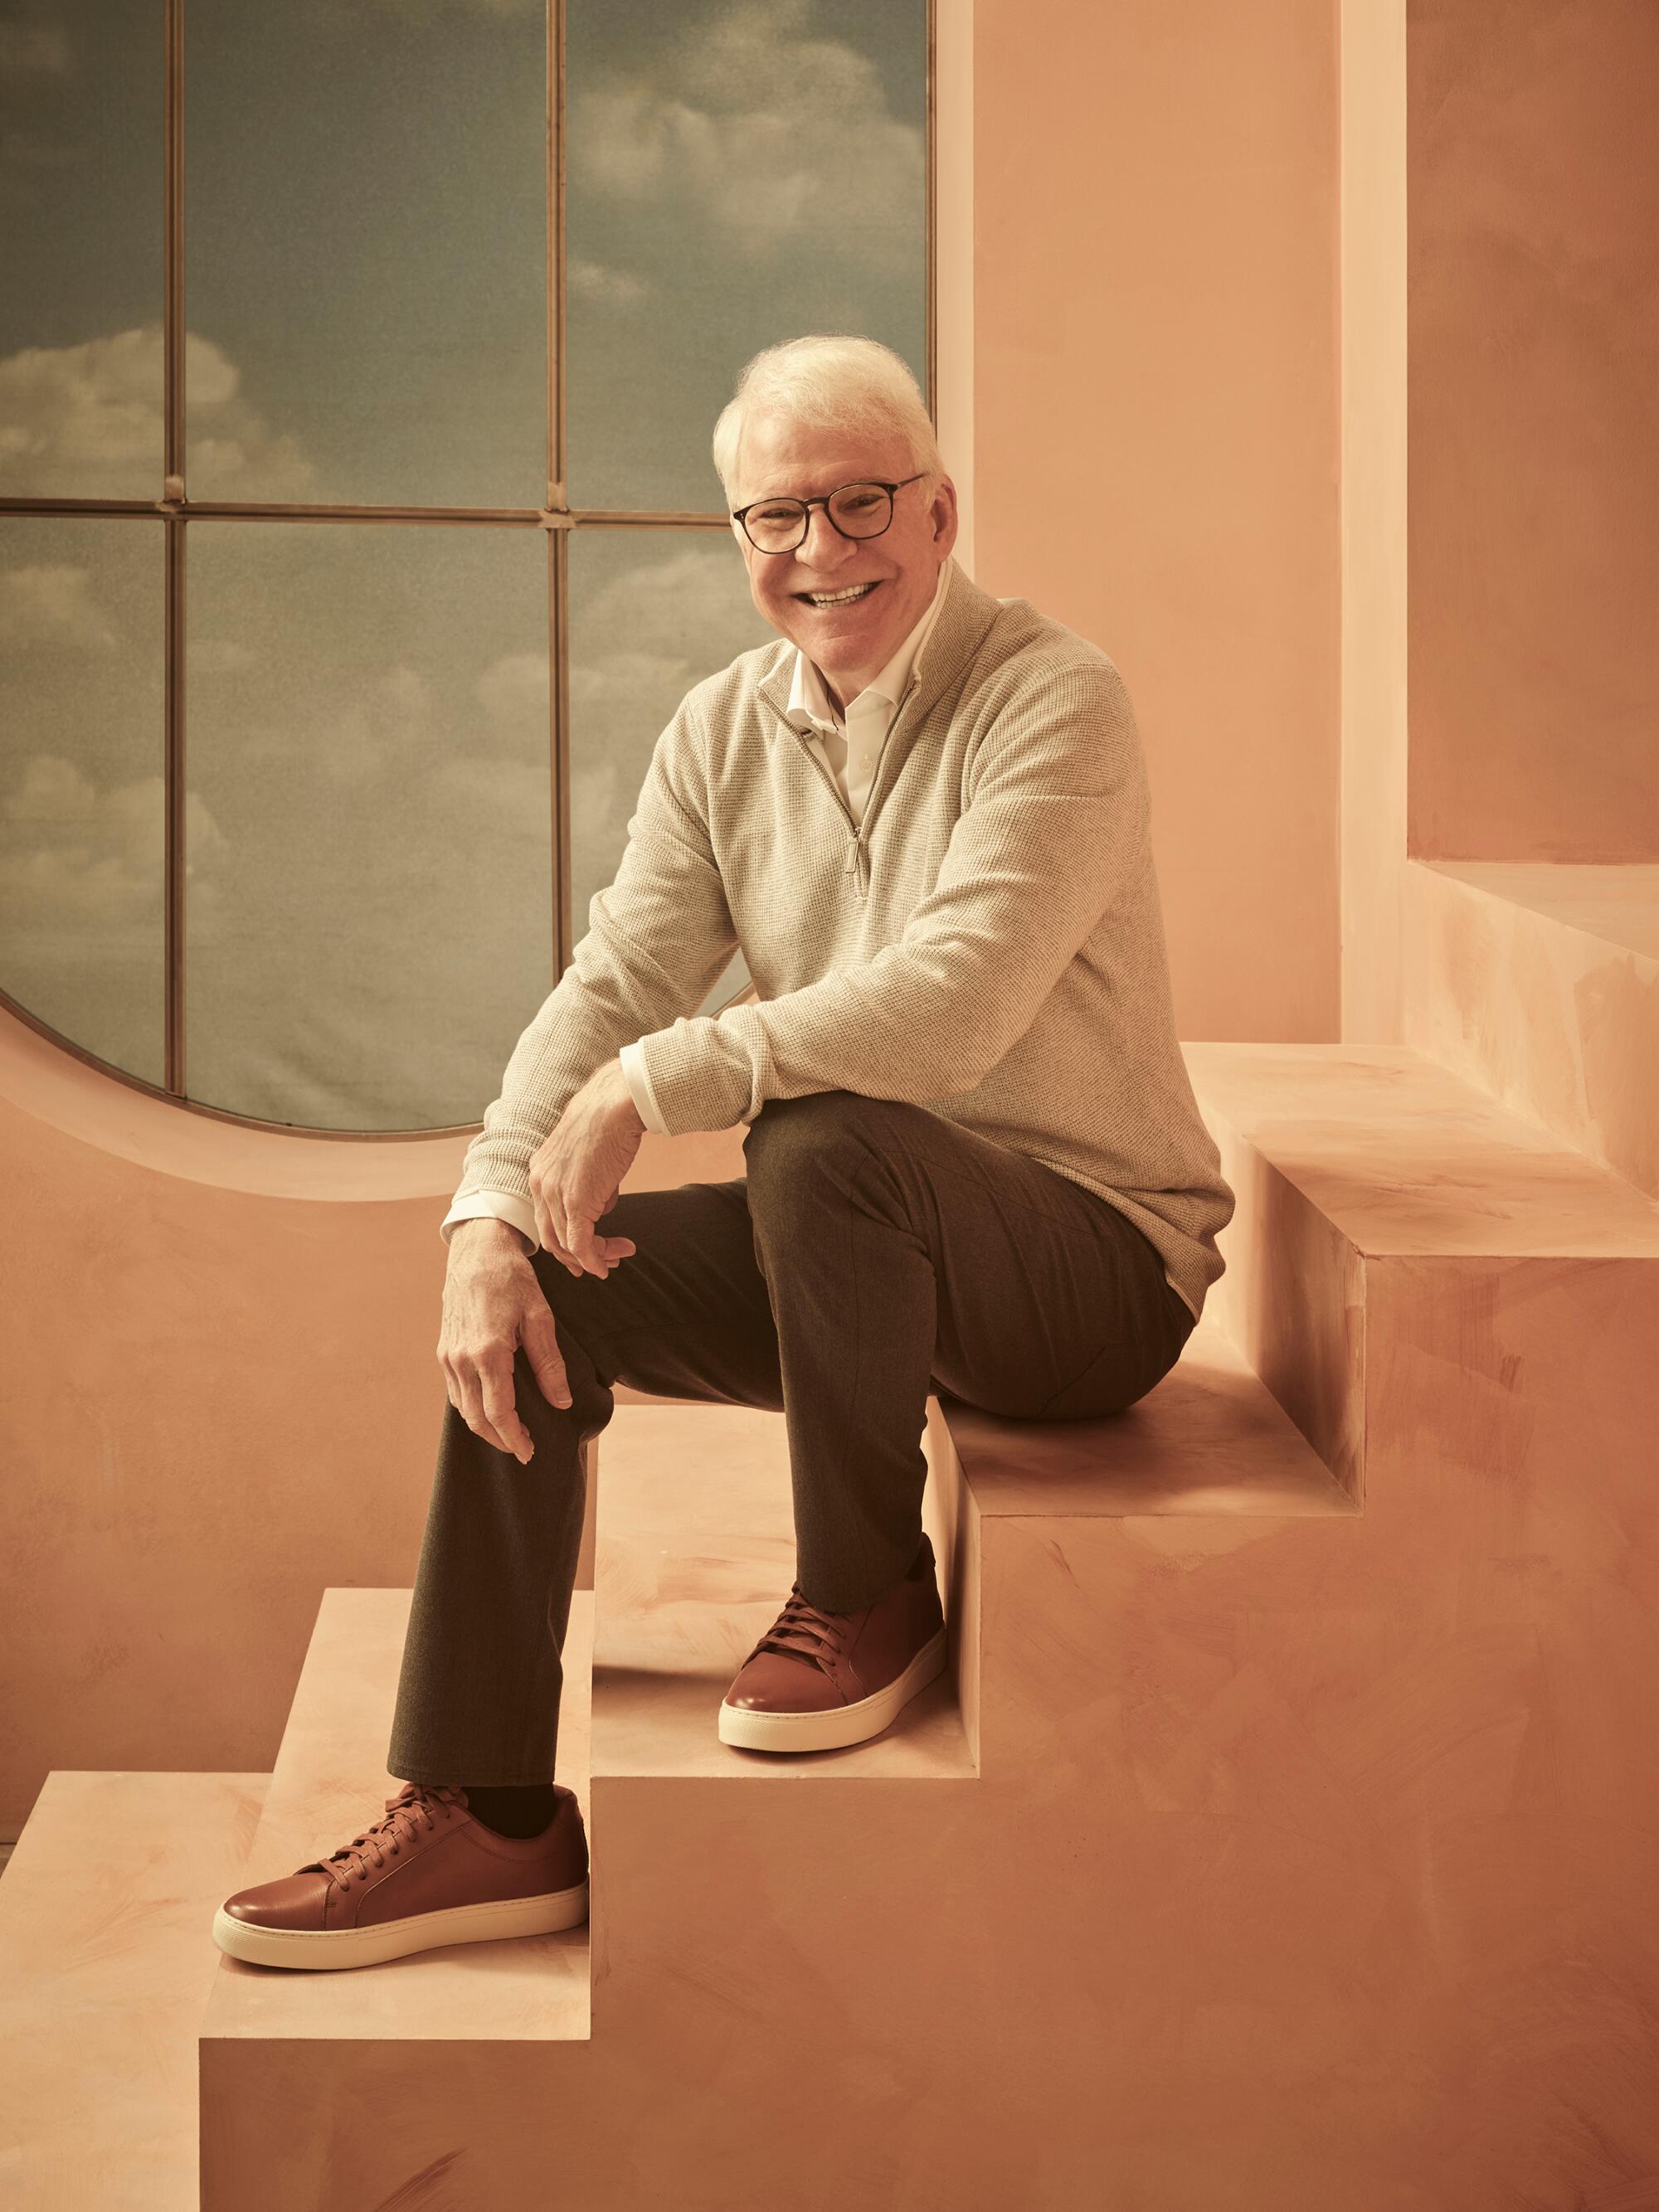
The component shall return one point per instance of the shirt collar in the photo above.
(810, 702)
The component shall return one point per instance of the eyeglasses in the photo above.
(857, 510)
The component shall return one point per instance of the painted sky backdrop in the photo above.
(368, 802)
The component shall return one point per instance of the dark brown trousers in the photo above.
(874, 1253)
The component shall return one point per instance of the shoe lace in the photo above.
(804, 1632)
(404, 1816)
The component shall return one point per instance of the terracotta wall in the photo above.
(1534, 179)
(1156, 452)
(1373, 463)
(220, 1395)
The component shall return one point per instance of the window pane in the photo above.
(652, 613)
(83, 745)
(81, 284)
(369, 912)
(735, 175)
(366, 244)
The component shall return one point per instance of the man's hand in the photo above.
(492, 1300)
(492, 1305)
(575, 1175)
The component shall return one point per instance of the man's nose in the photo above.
(824, 545)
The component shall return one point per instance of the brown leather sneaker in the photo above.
(426, 1873)
(817, 1680)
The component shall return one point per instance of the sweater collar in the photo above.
(962, 615)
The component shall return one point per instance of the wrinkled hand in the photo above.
(575, 1175)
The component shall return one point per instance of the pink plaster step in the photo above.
(329, 1782)
(694, 1559)
(697, 1552)
(1539, 981)
(276, 2050)
(1207, 1459)
(1383, 1198)
(1275, 1859)
(103, 1978)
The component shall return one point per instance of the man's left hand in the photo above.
(576, 1173)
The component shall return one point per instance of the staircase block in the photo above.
(274, 2043)
(1207, 1462)
(1369, 1177)
(329, 1773)
(1539, 981)
(105, 1965)
(694, 1559)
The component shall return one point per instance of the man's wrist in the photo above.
(490, 1228)
(627, 1106)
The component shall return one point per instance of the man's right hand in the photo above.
(492, 1305)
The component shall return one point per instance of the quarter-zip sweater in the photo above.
(849, 745)
(983, 938)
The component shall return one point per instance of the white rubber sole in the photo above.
(841, 1724)
(395, 1939)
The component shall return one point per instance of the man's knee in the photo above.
(822, 1130)
(808, 1121)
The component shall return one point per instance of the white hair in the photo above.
(829, 383)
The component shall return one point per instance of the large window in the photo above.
(358, 531)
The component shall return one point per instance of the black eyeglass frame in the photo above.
(739, 515)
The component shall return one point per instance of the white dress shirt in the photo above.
(850, 747)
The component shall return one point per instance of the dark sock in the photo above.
(512, 1809)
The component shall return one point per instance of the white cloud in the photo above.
(701, 586)
(211, 379)
(50, 789)
(380, 730)
(482, 800)
(385, 733)
(655, 630)
(692, 610)
(79, 854)
(405, 690)
(513, 694)
(606, 287)
(621, 138)
(743, 124)
(52, 604)
(84, 421)
(627, 674)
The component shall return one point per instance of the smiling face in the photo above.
(781, 457)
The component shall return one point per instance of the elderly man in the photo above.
(975, 1163)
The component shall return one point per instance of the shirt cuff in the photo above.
(639, 1085)
(499, 1204)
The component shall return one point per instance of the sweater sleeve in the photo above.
(1055, 828)
(657, 938)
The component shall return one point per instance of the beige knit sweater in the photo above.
(986, 942)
